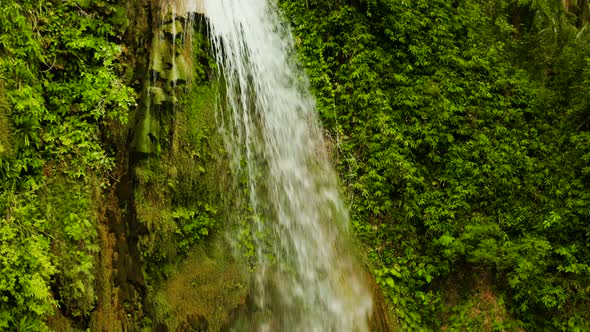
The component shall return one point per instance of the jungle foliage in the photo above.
(66, 113)
(176, 195)
(60, 90)
(462, 132)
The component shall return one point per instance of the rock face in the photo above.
(208, 287)
(169, 71)
(166, 169)
(170, 159)
(188, 6)
(159, 40)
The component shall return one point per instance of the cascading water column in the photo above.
(306, 278)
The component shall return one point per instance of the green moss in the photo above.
(157, 95)
(69, 207)
(205, 289)
(177, 197)
(160, 55)
(5, 146)
(4, 142)
(147, 134)
(207, 285)
(180, 70)
(177, 193)
(153, 208)
(172, 28)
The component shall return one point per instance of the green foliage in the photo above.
(26, 264)
(68, 209)
(414, 308)
(59, 73)
(5, 139)
(481, 312)
(177, 196)
(460, 131)
(194, 224)
(60, 69)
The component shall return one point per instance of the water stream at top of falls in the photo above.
(307, 278)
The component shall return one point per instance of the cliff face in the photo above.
(163, 264)
(165, 261)
(459, 129)
(115, 187)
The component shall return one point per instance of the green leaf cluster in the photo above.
(61, 75)
(460, 130)
(60, 88)
(177, 195)
(25, 265)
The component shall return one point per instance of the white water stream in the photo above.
(306, 278)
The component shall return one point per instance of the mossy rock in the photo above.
(180, 71)
(157, 95)
(174, 29)
(204, 291)
(147, 133)
(161, 57)
(168, 63)
(70, 208)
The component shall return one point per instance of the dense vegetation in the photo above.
(461, 131)
(60, 94)
(67, 113)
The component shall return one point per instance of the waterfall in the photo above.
(306, 278)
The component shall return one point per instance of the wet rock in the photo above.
(194, 323)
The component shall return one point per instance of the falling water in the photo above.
(306, 279)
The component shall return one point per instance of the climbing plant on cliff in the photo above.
(59, 68)
(459, 129)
